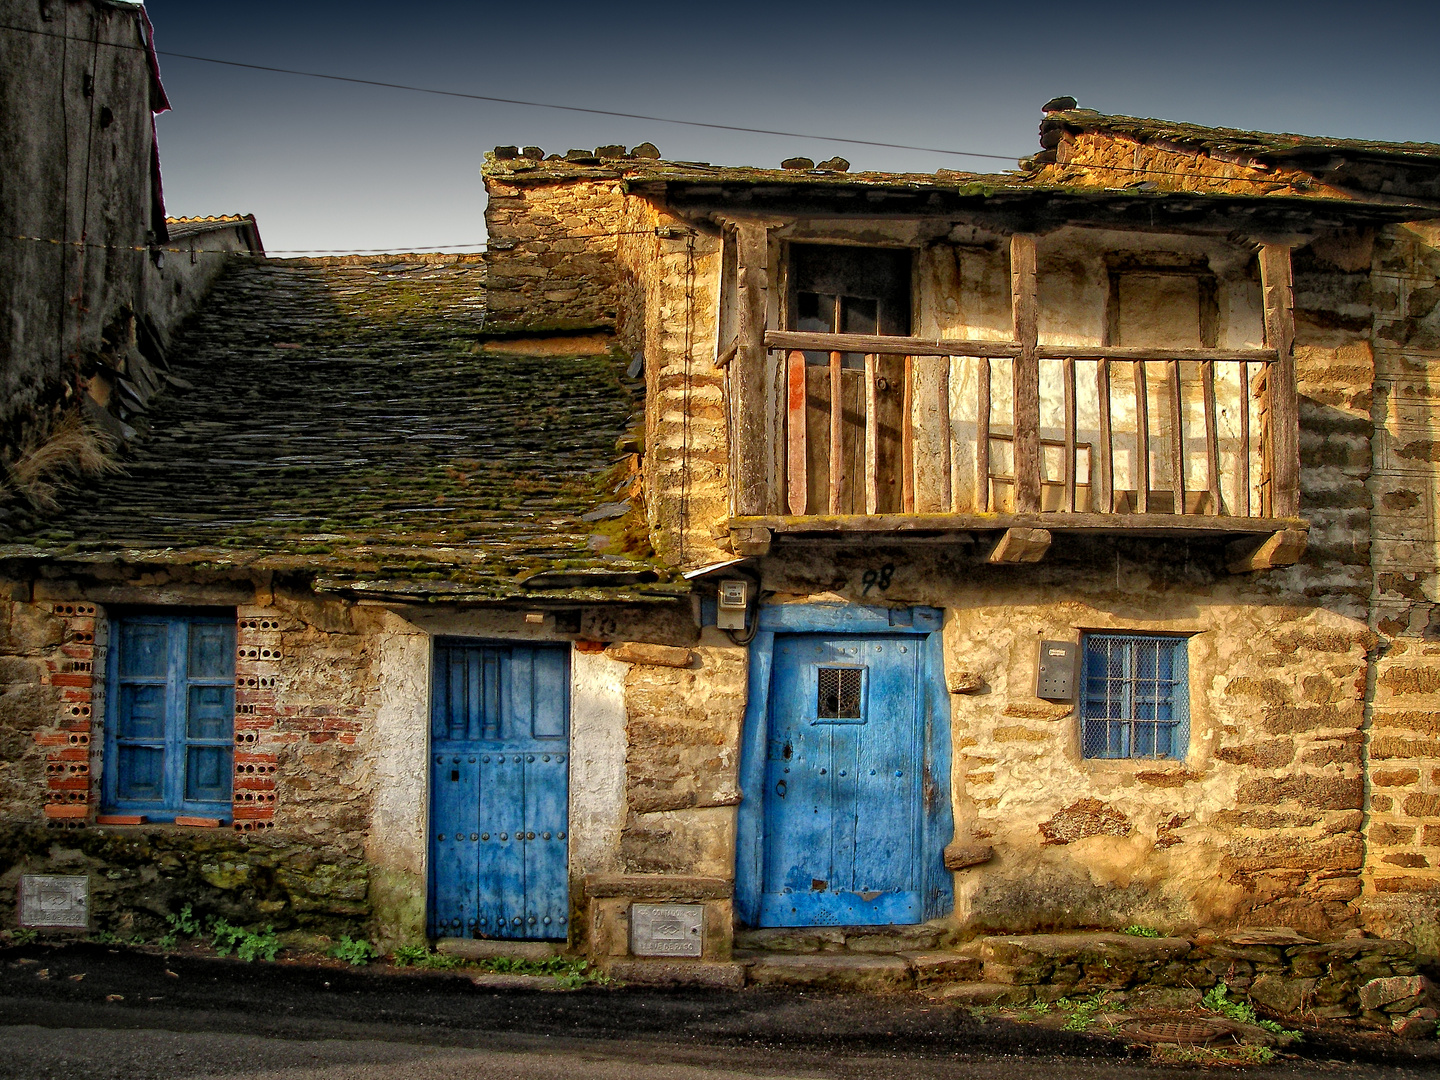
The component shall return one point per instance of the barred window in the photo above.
(839, 693)
(1136, 698)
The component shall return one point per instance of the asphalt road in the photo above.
(132, 1016)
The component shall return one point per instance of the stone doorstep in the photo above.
(829, 971)
(922, 937)
(507, 981)
(472, 949)
(721, 975)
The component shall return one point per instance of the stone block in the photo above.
(959, 855)
(1379, 993)
(1177, 998)
(640, 652)
(719, 975)
(980, 994)
(1413, 1027)
(1288, 997)
(939, 967)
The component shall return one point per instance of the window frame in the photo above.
(175, 739)
(1119, 742)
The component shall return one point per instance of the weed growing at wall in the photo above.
(1142, 931)
(1218, 1000)
(247, 945)
(354, 951)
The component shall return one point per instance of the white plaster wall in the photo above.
(402, 738)
(597, 762)
(400, 746)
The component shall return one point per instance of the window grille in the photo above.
(839, 693)
(1136, 698)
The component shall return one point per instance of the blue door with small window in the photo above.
(842, 810)
(499, 791)
(168, 747)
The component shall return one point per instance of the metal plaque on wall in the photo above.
(666, 929)
(48, 900)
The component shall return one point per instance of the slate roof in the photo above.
(340, 418)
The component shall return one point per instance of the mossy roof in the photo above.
(341, 418)
(1263, 145)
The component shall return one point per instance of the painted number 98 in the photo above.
(877, 579)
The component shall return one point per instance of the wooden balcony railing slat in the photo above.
(982, 438)
(1142, 440)
(1212, 442)
(947, 464)
(1104, 500)
(837, 435)
(797, 457)
(1069, 371)
(1177, 438)
(872, 434)
(1026, 427)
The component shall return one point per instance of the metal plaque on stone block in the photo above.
(48, 900)
(666, 929)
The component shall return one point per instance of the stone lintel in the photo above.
(658, 887)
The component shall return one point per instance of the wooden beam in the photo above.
(1025, 316)
(754, 451)
(797, 457)
(1104, 524)
(727, 354)
(915, 346)
(1277, 286)
(1281, 548)
(885, 345)
(750, 540)
(1020, 546)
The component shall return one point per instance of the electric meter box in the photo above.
(734, 598)
(1055, 673)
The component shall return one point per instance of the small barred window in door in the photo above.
(839, 693)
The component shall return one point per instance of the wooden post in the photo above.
(982, 438)
(1104, 500)
(872, 436)
(797, 457)
(754, 452)
(1177, 438)
(1284, 442)
(1212, 440)
(1025, 313)
(1142, 440)
(837, 434)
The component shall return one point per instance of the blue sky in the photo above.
(338, 166)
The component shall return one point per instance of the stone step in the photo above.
(829, 971)
(979, 994)
(932, 968)
(922, 937)
(475, 949)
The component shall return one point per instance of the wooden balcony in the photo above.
(840, 434)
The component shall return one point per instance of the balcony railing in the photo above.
(843, 432)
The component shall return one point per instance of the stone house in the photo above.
(737, 548)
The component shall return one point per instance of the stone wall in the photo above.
(295, 855)
(550, 257)
(1403, 867)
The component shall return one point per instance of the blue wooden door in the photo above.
(499, 791)
(842, 783)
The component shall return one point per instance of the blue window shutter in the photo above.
(170, 740)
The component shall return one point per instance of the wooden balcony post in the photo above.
(1284, 442)
(1027, 373)
(754, 450)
